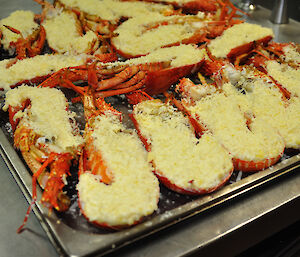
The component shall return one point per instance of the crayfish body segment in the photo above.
(36, 69)
(238, 40)
(253, 143)
(19, 31)
(116, 185)
(268, 101)
(47, 140)
(186, 165)
(64, 33)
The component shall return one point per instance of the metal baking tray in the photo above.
(72, 235)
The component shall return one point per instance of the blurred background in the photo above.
(293, 6)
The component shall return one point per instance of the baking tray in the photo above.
(72, 235)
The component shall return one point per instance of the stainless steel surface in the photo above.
(33, 242)
(279, 13)
(293, 7)
(198, 232)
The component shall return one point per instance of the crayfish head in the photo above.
(24, 137)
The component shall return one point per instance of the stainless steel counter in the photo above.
(12, 211)
(227, 229)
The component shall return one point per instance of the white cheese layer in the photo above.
(265, 101)
(30, 68)
(177, 1)
(235, 36)
(291, 54)
(47, 116)
(20, 20)
(287, 76)
(113, 10)
(177, 56)
(63, 36)
(204, 6)
(141, 35)
(223, 116)
(188, 162)
(134, 191)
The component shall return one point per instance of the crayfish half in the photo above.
(181, 161)
(253, 143)
(47, 136)
(116, 186)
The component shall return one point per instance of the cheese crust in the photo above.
(235, 36)
(38, 66)
(63, 34)
(176, 55)
(222, 115)
(113, 10)
(47, 116)
(286, 75)
(291, 54)
(188, 162)
(141, 35)
(134, 191)
(265, 101)
(20, 20)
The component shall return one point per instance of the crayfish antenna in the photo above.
(13, 30)
(34, 194)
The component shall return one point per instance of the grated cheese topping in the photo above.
(177, 55)
(20, 20)
(134, 192)
(188, 162)
(223, 116)
(291, 54)
(47, 116)
(114, 10)
(235, 36)
(141, 35)
(63, 35)
(287, 76)
(265, 101)
(30, 68)
(193, 5)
